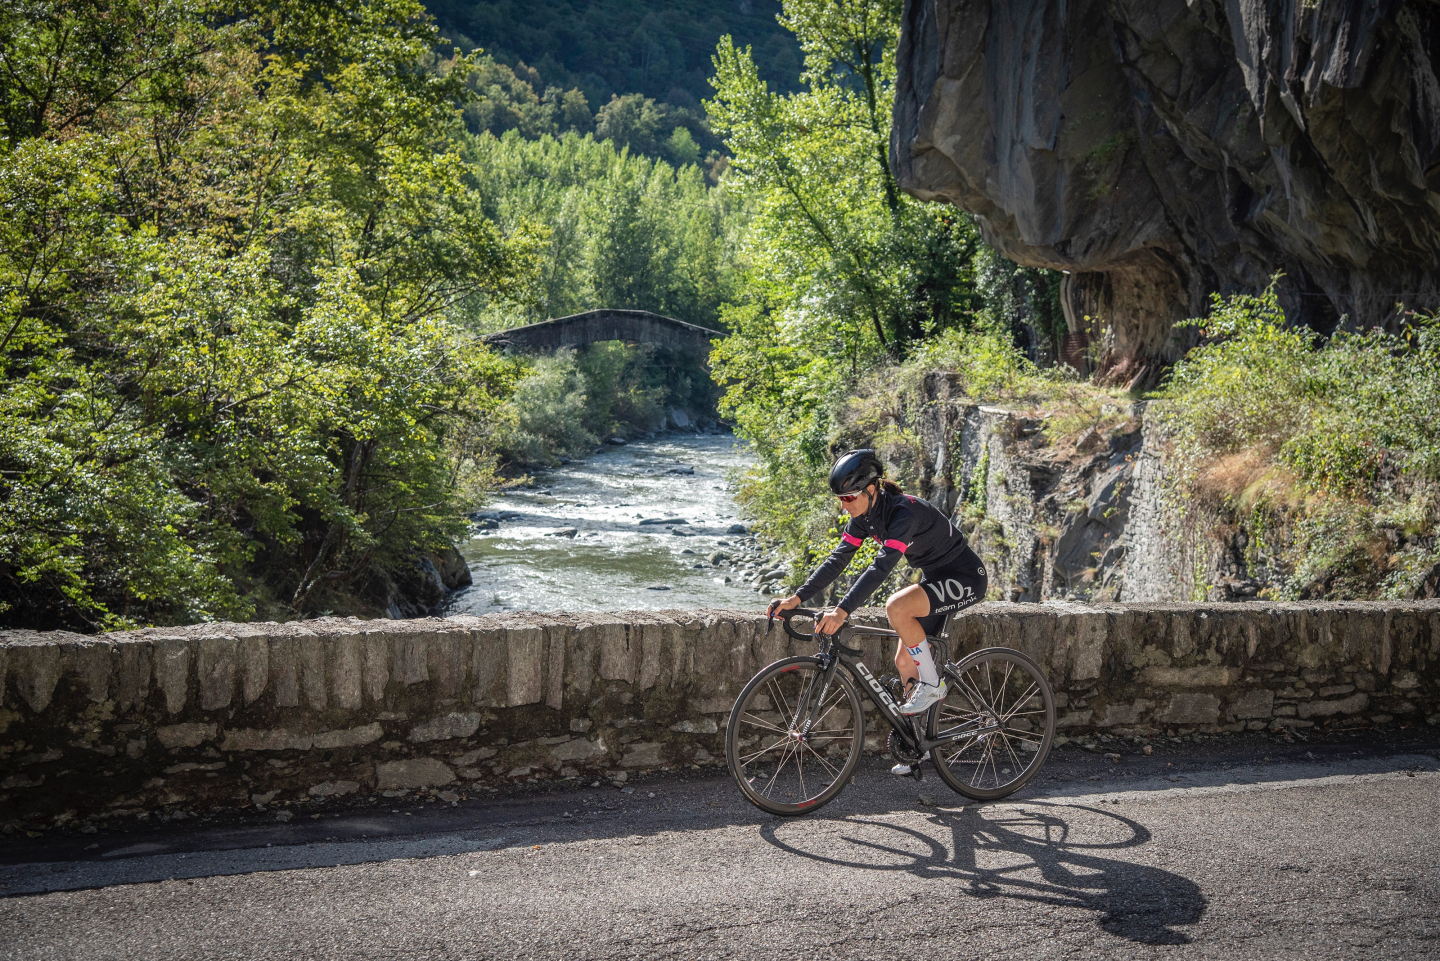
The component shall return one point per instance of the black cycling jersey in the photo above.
(901, 525)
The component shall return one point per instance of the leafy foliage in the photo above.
(1329, 452)
(658, 48)
(235, 246)
(625, 231)
(847, 283)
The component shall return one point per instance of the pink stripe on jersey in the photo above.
(898, 545)
(851, 539)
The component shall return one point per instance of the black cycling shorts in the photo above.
(953, 589)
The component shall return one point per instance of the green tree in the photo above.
(230, 377)
(842, 270)
(626, 230)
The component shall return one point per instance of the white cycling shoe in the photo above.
(905, 770)
(923, 697)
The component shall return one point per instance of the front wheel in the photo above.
(997, 723)
(791, 746)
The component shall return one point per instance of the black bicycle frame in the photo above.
(833, 653)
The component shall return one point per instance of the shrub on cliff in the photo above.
(1328, 453)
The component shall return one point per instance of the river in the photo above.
(614, 561)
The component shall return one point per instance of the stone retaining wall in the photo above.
(171, 721)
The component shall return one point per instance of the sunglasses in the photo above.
(849, 498)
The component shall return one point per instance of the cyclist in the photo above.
(952, 576)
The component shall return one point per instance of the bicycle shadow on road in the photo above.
(1025, 852)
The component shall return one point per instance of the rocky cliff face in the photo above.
(1161, 150)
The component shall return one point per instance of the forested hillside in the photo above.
(660, 49)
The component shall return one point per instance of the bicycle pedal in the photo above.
(917, 770)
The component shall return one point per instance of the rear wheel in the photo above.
(782, 765)
(999, 716)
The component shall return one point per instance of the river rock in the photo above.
(682, 469)
(658, 587)
(652, 521)
(564, 532)
(615, 441)
(737, 529)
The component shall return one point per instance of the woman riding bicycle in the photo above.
(952, 576)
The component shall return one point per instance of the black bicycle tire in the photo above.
(1047, 740)
(857, 711)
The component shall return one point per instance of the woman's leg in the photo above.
(905, 608)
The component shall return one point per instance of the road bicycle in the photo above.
(798, 728)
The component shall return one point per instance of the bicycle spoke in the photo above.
(980, 768)
(762, 723)
(1004, 683)
(1013, 759)
(834, 773)
(1030, 736)
(775, 685)
(765, 750)
(1034, 686)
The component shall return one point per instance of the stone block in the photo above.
(471, 757)
(253, 740)
(333, 788)
(133, 674)
(312, 670)
(347, 670)
(1210, 675)
(1254, 703)
(1126, 714)
(489, 657)
(1087, 644)
(420, 772)
(285, 671)
(348, 737)
(579, 749)
(1403, 681)
(702, 726)
(91, 661)
(1075, 719)
(617, 654)
(651, 638)
(556, 640)
(377, 664)
(252, 655)
(642, 754)
(1353, 704)
(1335, 689)
(215, 669)
(1192, 709)
(445, 727)
(172, 671)
(412, 658)
(449, 661)
(185, 735)
(1182, 643)
(524, 665)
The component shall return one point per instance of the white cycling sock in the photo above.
(926, 663)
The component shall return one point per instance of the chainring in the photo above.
(899, 751)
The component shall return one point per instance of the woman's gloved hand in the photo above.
(783, 604)
(833, 621)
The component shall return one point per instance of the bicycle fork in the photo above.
(811, 698)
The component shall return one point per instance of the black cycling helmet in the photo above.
(854, 470)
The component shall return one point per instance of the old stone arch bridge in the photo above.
(592, 326)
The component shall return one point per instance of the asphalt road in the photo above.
(1236, 848)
